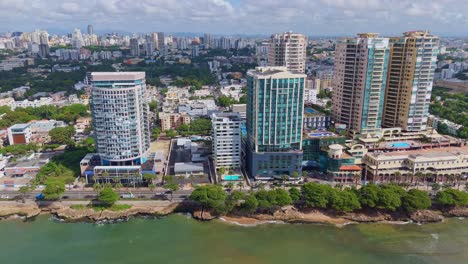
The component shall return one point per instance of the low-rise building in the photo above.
(437, 163)
(19, 134)
(316, 119)
(173, 120)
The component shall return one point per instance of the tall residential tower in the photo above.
(288, 49)
(413, 59)
(359, 82)
(120, 117)
(274, 122)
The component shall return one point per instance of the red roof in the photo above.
(350, 168)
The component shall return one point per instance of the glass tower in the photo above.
(274, 121)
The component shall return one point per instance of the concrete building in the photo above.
(161, 41)
(274, 122)
(19, 134)
(241, 109)
(120, 117)
(173, 120)
(439, 163)
(226, 133)
(412, 63)
(359, 82)
(310, 96)
(316, 119)
(288, 49)
(134, 47)
(149, 45)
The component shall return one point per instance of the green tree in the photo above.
(451, 197)
(295, 194)
(62, 135)
(149, 177)
(240, 185)
(237, 195)
(24, 190)
(54, 189)
(251, 204)
(210, 196)
(97, 187)
(172, 187)
(369, 195)
(108, 196)
(316, 195)
(389, 199)
(171, 133)
(415, 200)
(344, 200)
(224, 101)
(295, 175)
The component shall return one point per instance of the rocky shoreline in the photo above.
(287, 214)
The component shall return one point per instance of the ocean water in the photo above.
(180, 239)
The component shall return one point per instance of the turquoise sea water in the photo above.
(180, 239)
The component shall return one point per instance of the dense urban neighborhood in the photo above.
(235, 123)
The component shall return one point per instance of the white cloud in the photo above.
(238, 16)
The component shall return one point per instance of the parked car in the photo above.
(127, 195)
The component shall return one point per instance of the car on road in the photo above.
(4, 197)
(127, 195)
(65, 197)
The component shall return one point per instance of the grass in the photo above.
(100, 207)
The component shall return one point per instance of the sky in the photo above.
(311, 17)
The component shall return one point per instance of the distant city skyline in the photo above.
(314, 17)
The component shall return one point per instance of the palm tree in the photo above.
(240, 185)
(428, 176)
(458, 178)
(230, 185)
(97, 187)
(105, 175)
(151, 187)
(398, 176)
(357, 178)
(418, 175)
(118, 185)
(191, 178)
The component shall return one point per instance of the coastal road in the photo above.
(91, 194)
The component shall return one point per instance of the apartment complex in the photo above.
(173, 120)
(438, 162)
(288, 49)
(359, 82)
(226, 132)
(274, 121)
(413, 59)
(120, 117)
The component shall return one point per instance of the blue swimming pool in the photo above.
(310, 110)
(320, 134)
(232, 178)
(399, 145)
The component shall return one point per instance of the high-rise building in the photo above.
(275, 110)
(90, 30)
(359, 82)
(413, 59)
(226, 128)
(161, 40)
(120, 117)
(288, 49)
(149, 45)
(134, 47)
(195, 51)
(207, 41)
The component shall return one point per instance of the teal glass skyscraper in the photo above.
(274, 122)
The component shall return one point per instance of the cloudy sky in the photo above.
(313, 17)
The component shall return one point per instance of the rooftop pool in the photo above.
(321, 134)
(399, 145)
(232, 178)
(310, 110)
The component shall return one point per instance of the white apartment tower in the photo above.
(226, 128)
(120, 117)
(288, 49)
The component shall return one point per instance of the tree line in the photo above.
(388, 197)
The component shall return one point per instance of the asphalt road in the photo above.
(90, 194)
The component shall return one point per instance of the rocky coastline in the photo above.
(287, 214)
